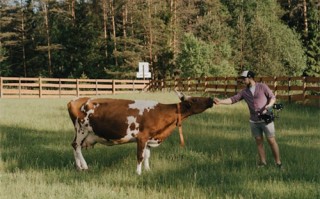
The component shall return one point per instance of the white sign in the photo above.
(143, 70)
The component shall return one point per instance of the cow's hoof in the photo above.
(82, 169)
(147, 169)
(79, 168)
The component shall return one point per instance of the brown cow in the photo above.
(119, 121)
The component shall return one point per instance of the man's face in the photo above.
(245, 80)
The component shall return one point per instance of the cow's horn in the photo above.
(181, 96)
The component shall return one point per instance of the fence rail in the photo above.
(286, 88)
(13, 87)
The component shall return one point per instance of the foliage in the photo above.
(107, 39)
(276, 48)
(262, 42)
(304, 17)
(197, 58)
(313, 43)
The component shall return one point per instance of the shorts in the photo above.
(257, 129)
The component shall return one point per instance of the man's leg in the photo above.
(257, 133)
(270, 134)
(261, 151)
(275, 149)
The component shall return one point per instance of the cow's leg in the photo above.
(146, 156)
(80, 135)
(141, 147)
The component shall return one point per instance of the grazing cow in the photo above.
(119, 121)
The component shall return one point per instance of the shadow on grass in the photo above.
(211, 160)
(25, 149)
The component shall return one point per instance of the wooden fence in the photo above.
(286, 88)
(12, 87)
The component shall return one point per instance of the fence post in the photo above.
(225, 86)
(77, 87)
(19, 87)
(175, 83)
(205, 83)
(304, 90)
(133, 86)
(96, 87)
(162, 85)
(1, 87)
(275, 85)
(113, 87)
(40, 87)
(289, 87)
(59, 87)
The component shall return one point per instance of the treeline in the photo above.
(107, 38)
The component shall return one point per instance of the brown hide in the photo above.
(109, 119)
(119, 121)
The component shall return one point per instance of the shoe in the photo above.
(279, 166)
(262, 164)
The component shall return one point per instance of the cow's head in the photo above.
(194, 105)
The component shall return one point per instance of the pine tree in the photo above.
(313, 42)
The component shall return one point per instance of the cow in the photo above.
(119, 121)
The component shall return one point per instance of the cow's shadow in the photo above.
(24, 149)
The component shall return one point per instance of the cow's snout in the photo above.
(211, 102)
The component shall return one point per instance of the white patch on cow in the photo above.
(132, 121)
(91, 111)
(153, 143)
(82, 108)
(139, 168)
(143, 105)
(146, 156)
(81, 134)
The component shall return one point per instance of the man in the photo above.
(259, 99)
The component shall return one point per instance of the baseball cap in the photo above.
(247, 73)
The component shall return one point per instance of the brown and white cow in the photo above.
(119, 121)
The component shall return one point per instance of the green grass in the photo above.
(219, 160)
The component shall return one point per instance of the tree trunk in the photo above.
(23, 40)
(150, 36)
(124, 24)
(173, 24)
(114, 32)
(105, 18)
(73, 12)
(132, 4)
(305, 18)
(105, 24)
(45, 9)
(241, 26)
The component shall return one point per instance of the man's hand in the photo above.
(216, 101)
(268, 106)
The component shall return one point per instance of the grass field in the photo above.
(219, 160)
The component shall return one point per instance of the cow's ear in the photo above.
(181, 96)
